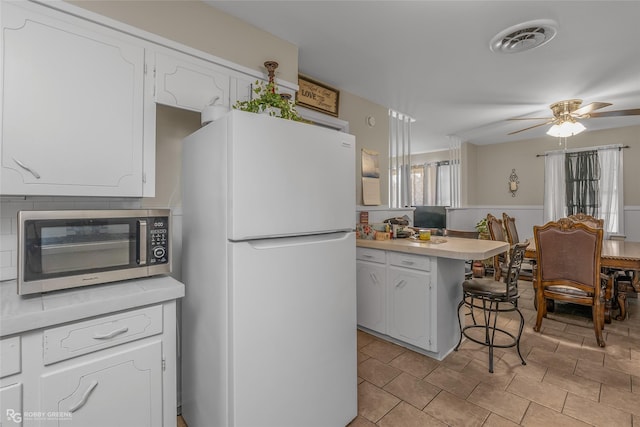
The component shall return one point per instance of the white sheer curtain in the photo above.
(555, 200)
(430, 177)
(443, 184)
(611, 203)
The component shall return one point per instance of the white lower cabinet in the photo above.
(11, 404)
(123, 388)
(113, 370)
(371, 274)
(406, 297)
(409, 306)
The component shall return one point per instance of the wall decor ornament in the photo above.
(317, 96)
(513, 183)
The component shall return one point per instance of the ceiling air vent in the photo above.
(525, 36)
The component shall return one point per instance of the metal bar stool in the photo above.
(494, 297)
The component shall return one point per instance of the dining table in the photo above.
(616, 256)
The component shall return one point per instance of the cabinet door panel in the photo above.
(371, 290)
(72, 108)
(11, 405)
(190, 84)
(241, 90)
(124, 388)
(409, 304)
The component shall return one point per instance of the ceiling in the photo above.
(431, 60)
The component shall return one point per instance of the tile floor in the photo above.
(568, 380)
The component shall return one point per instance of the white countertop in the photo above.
(450, 247)
(21, 313)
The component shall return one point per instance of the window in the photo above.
(588, 181)
(582, 181)
(431, 184)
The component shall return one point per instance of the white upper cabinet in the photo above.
(183, 81)
(73, 107)
(241, 89)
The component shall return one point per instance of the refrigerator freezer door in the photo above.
(293, 332)
(287, 178)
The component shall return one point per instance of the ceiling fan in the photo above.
(567, 113)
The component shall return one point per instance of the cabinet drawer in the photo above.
(373, 255)
(418, 262)
(85, 337)
(9, 356)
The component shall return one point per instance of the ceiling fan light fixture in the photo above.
(566, 129)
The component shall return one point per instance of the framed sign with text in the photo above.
(317, 96)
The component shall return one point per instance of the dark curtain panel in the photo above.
(582, 179)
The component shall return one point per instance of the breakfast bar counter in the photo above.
(408, 290)
(446, 247)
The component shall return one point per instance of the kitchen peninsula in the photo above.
(409, 290)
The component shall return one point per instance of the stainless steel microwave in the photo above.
(67, 249)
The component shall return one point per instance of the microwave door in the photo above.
(84, 256)
(65, 248)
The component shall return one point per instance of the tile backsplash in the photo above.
(9, 207)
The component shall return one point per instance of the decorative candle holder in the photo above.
(513, 183)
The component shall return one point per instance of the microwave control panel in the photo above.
(158, 240)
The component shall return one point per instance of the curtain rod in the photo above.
(590, 148)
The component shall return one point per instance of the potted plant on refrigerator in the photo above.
(267, 100)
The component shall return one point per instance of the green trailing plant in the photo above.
(266, 99)
(481, 226)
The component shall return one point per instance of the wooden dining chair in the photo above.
(527, 269)
(496, 232)
(587, 219)
(568, 269)
(610, 292)
(460, 233)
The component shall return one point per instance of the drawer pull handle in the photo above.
(111, 334)
(27, 168)
(368, 256)
(407, 262)
(85, 397)
(374, 279)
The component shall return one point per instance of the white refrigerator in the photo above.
(269, 315)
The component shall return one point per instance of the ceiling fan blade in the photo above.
(531, 118)
(617, 113)
(531, 127)
(589, 108)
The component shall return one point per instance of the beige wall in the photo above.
(172, 125)
(355, 110)
(468, 173)
(434, 156)
(203, 27)
(489, 166)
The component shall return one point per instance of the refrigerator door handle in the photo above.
(282, 242)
